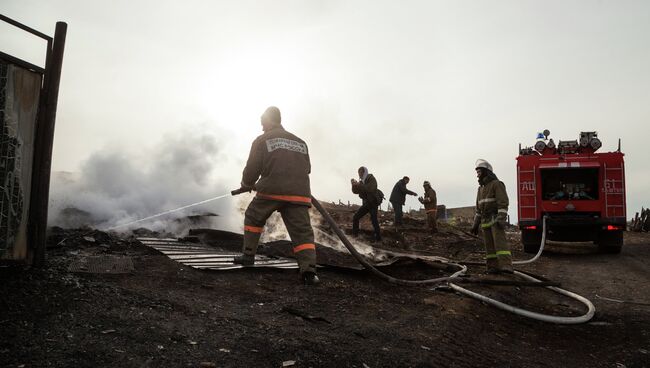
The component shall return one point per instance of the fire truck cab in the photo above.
(579, 191)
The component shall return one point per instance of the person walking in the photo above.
(398, 198)
(278, 168)
(492, 217)
(371, 197)
(430, 202)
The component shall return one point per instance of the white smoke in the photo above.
(274, 230)
(115, 187)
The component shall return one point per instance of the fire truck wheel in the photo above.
(610, 242)
(531, 240)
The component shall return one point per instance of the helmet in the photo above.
(426, 183)
(484, 164)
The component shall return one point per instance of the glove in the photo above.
(421, 199)
(502, 219)
(477, 222)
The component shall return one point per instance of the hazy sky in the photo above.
(418, 88)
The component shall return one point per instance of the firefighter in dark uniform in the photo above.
(430, 202)
(280, 161)
(492, 217)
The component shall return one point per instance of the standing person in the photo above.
(430, 202)
(367, 190)
(398, 198)
(491, 216)
(280, 160)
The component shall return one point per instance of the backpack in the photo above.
(380, 197)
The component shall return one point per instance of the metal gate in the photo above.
(19, 98)
(28, 101)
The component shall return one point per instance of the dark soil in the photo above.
(164, 314)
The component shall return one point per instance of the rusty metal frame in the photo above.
(44, 134)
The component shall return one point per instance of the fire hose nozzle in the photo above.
(240, 191)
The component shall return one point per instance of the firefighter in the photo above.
(491, 216)
(282, 161)
(398, 198)
(366, 188)
(430, 203)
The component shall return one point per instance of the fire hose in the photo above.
(361, 259)
(462, 269)
(506, 307)
(529, 314)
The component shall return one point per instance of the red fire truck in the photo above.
(580, 192)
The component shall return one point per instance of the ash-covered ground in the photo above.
(141, 309)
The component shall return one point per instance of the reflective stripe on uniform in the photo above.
(285, 198)
(503, 210)
(487, 200)
(488, 224)
(503, 253)
(302, 247)
(253, 229)
(432, 210)
(490, 256)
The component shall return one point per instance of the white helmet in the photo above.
(484, 164)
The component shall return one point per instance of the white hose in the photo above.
(534, 315)
(541, 246)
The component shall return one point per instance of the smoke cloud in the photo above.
(115, 187)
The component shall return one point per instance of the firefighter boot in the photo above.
(491, 266)
(310, 278)
(244, 260)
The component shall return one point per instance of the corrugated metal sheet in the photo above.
(203, 257)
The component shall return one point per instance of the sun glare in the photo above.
(250, 80)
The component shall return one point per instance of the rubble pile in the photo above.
(641, 221)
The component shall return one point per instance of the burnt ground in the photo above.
(164, 314)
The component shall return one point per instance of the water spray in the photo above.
(168, 212)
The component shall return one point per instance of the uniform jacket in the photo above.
(398, 195)
(491, 199)
(281, 162)
(430, 200)
(367, 190)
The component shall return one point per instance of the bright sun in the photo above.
(250, 80)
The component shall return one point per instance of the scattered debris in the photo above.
(622, 301)
(102, 264)
(599, 323)
(288, 363)
(641, 222)
(106, 332)
(430, 300)
(304, 315)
